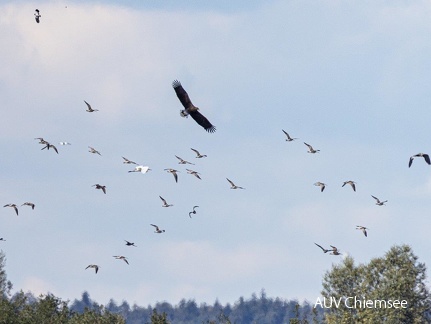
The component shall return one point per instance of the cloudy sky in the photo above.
(350, 78)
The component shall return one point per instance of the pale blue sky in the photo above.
(352, 79)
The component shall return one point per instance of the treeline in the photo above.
(245, 311)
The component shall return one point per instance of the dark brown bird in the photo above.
(98, 186)
(37, 15)
(193, 211)
(191, 109)
(425, 156)
(130, 243)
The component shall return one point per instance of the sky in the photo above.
(350, 78)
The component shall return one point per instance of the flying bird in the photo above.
(174, 173)
(191, 109)
(165, 204)
(183, 161)
(193, 211)
(93, 150)
(350, 182)
(121, 257)
(29, 204)
(198, 155)
(98, 186)
(41, 140)
(89, 109)
(37, 15)
(311, 149)
(94, 266)
(195, 173)
(289, 139)
(13, 206)
(48, 146)
(158, 230)
(425, 156)
(321, 185)
(335, 251)
(64, 143)
(127, 161)
(363, 229)
(324, 250)
(378, 202)
(234, 186)
(141, 168)
(130, 243)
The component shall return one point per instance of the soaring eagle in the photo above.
(191, 109)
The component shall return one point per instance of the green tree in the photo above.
(157, 318)
(396, 276)
(5, 285)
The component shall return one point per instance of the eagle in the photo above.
(191, 109)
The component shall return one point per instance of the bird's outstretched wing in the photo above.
(182, 94)
(203, 121)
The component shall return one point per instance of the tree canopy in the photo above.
(398, 276)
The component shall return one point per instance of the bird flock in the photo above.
(334, 250)
(189, 109)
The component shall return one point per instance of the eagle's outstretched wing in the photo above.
(203, 121)
(182, 94)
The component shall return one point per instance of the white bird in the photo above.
(350, 182)
(183, 161)
(321, 185)
(94, 266)
(65, 143)
(363, 229)
(127, 161)
(165, 204)
(425, 156)
(37, 15)
(234, 186)
(121, 257)
(198, 155)
(141, 168)
(378, 202)
(89, 109)
(158, 230)
(289, 139)
(93, 150)
(195, 173)
(311, 149)
(174, 173)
